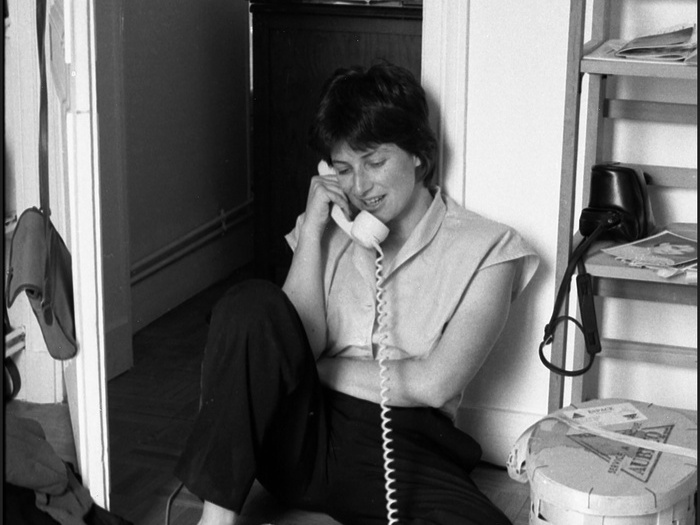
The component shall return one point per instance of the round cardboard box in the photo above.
(580, 478)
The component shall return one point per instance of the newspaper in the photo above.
(675, 44)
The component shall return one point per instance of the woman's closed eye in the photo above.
(376, 164)
(342, 169)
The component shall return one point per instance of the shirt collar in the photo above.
(423, 233)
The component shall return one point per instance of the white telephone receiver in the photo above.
(366, 229)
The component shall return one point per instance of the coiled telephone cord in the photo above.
(384, 391)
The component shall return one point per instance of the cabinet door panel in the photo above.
(292, 57)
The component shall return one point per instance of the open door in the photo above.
(74, 145)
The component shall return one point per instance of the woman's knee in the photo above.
(255, 327)
(257, 314)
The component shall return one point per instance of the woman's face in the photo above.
(380, 180)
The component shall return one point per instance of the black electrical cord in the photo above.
(588, 324)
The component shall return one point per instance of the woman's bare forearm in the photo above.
(304, 287)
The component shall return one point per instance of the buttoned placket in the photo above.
(364, 261)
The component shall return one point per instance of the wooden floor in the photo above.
(151, 410)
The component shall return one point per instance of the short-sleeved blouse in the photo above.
(424, 284)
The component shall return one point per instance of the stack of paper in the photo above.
(677, 44)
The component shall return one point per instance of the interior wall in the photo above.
(184, 150)
(185, 68)
(114, 201)
(515, 116)
(496, 71)
(42, 376)
(514, 141)
(500, 96)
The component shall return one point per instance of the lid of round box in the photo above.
(571, 465)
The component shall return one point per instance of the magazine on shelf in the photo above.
(607, 52)
(675, 44)
(663, 250)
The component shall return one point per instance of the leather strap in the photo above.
(43, 114)
(44, 198)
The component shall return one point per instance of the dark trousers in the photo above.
(265, 415)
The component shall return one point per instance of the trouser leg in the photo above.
(264, 415)
(432, 462)
(259, 381)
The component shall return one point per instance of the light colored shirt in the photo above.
(423, 285)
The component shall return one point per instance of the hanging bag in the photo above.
(618, 209)
(40, 263)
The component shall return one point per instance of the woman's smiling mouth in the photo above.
(373, 202)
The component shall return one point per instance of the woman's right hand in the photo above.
(304, 285)
(324, 191)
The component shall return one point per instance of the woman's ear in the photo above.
(420, 170)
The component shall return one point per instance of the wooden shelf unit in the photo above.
(594, 61)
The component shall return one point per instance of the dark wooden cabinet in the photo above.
(295, 48)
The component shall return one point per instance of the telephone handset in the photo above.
(366, 229)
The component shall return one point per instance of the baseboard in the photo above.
(153, 296)
(495, 429)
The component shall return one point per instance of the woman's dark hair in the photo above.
(381, 105)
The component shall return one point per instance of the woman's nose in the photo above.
(361, 182)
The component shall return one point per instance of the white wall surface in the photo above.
(42, 376)
(515, 108)
(504, 161)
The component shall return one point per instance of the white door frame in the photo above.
(86, 382)
(444, 72)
